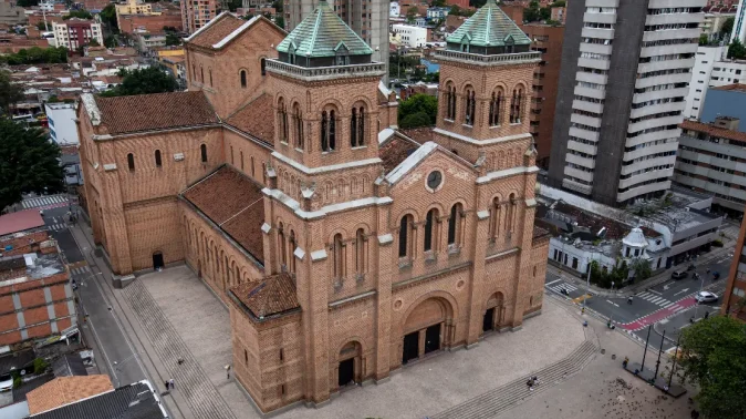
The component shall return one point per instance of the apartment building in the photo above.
(368, 18)
(75, 33)
(411, 36)
(711, 69)
(195, 14)
(626, 67)
(739, 26)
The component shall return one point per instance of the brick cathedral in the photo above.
(343, 248)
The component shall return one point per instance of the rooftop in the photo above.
(714, 130)
(235, 204)
(395, 149)
(158, 111)
(732, 87)
(323, 34)
(66, 390)
(256, 118)
(16, 222)
(489, 27)
(273, 295)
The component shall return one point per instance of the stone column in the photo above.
(385, 267)
(480, 233)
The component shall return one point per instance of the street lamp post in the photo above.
(696, 308)
(588, 282)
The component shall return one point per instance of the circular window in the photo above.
(434, 179)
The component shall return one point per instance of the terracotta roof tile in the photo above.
(421, 135)
(714, 130)
(217, 31)
(137, 113)
(235, 203)
(65, 390)
(272, 295)
(256, 118)
(394, 150)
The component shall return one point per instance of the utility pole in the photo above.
(588, 283)
(645, 352)
(675, 358)
(660, 350)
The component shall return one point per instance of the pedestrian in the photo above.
(707, 314)
(171, 384)
(530, 384)
(228, 371)
(165, 384)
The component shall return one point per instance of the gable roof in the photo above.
(489, 27)
(395, 149)
(158, 111)
(233, 202)
(412, 161)
(322, 34)
(20, 221)
(224, 28)
(256, 118)
(66, 390)
(270, 296)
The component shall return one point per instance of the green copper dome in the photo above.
(489, 27)
(323, 34)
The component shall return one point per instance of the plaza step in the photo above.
(189, 377)
(493, 402)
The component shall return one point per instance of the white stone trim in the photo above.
(179, 157)
(489, 177)
(483, 215)
(328, 209)
(531, 202)
(385, 134)
(110, 167)
(323, 169)
(101, 137)
(318, 255)
(223, 42)
(411, 162)
(210, 23)
(383, 89)
(299, 253)
(385, 239)
(266, 228)
(483, 142)
(94, 113)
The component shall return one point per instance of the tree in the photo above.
(234, 4)
(111, 41)
(27, 3)
(280, 21)
(411, 13)
(80, 14)
(419, 119)
(143, 81)
(29, 164)
(277, 4)
(736, 50)
(172, 39)
(704, 39)
(714, 358)
(642, 269)
(109, 17)
(10, 93)
(36, 55)
(93, 43)
(42, 27)
(419, 103)
(727, 28)
(532, 13)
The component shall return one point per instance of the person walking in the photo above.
(228, 372)
(172, 384)
(166, 384)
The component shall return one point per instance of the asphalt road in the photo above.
(668, 306)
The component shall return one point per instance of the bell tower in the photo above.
(486, 75)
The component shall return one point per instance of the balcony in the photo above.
(582, 161)
(489, 60)
(609, 18)
(644, 177)
(595, 48)
(586, 120)
(643, 83)
(659, 94)
(647, 164)
(642, 190)
(591, 63)
(653, 136)
(652, 123)
(671, 34)
(672, 18)
(577, 187)
(584, 134)
(645, 151)
(657, 108)
(582, 147)
(669, 49)
(588, 106)
(326, 73)
(597, 33)
(579, 174)
(594, 93)
(591, 77)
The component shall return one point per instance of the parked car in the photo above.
(705, 297)
(678, 274)
(6, 383)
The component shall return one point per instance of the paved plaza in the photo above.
(184, 320)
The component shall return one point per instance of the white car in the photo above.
(705, 297)
(6, 383)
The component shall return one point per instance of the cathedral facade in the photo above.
(344, 248)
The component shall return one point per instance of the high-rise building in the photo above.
(739, 26)
(195, 14)
(626, 67)
(75, 33)
(734, 304)
(368, 18)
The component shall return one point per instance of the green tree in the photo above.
(642, 269)
(704, 39)
(419, 119)
(80, 14)
(234, 4)
(736, 50)
(277, 4)
(27, 3)
(29, 164)
(109, 17)
(36, 55)
(715, 360)
(40, 365)
(280, 21)
(42, 27)
(172, 39)
(411, 13)
(419, 103)
(10, 93)
(93, 43)
(727, 28)
(143, 81)
(532, 13)
(111, 41)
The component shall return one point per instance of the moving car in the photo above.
(678, 274)
(705, 297)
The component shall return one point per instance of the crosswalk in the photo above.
(49, 201)
(559, 287)
(81, 270)
(57, 227)
(655, 299)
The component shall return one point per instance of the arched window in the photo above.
(353, 128)
(454, 222)
(203, 152)
(470, 106)
(202, 74)
(298, 126)
(263, 65)
(241, 160)
(209, 71)
(328, 131)
(360, 251)
(251, 159)
(242, 74)
(361, 127)
(338, 256)
(495, 219)
(496, 107)
(194, 72)
(282, 246)
(430, 220)
(509, 215)
(293, 245)
(131, 162)
(283, 120)
(516, 106)
(450, 101)
(158, 162)
(405, 238)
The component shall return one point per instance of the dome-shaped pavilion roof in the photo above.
(489, 27)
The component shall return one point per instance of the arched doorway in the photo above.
(350, 368)
(157, 260)
(494, 312)
(426, 329)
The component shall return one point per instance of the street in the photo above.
(668, 306)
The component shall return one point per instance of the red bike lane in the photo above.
(659, 315)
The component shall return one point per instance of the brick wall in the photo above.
(151, 23)
(28, 243)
